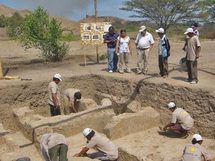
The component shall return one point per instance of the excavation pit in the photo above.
(126, 120)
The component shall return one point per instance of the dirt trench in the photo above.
(199, 103)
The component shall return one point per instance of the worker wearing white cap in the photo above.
(194, 151)
(181, 120)
(163, 52)
(107, 150)
(54, 95)
(192, 55)
(144, 43)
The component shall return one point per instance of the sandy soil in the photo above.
(28, 65)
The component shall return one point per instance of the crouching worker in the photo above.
(106, 150)
(195, 151)
(181, 120)
(54, 147)
(72, 100)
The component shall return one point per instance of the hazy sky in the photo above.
(74, 9)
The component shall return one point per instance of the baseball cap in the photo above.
(160, 30)
(58, 76)
(142, 28)
(189, 30)
(198, 137)
(171, 105)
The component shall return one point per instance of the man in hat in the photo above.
(111, 39)
(144, 43)
(106, 150)
(72, 98)
(163, 52)
(54, 147)
(54, 95)
(194, 151)
(193, 50)
(181, 120)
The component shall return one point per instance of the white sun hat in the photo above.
(58, 76)
(198, 137)
(142, 28)
(189, 30)
(160, 30)
(171, 105)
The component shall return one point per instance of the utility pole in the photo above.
(95, 13)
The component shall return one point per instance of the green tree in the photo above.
(3, 21)
(14, 24)
(208, 10)
(163, 13)
(40, 32)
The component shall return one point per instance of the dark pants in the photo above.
(54, 110)
(115, 62)
(163, 65)
(58, 151)
(192, 70)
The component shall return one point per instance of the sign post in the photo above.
(97, 48)
(1, 70)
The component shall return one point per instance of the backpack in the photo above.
(167, 45)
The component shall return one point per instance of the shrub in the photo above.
(40, 32)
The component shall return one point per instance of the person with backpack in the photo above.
(163, 52)
(123, 49)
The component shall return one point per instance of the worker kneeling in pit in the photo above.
(106, 150)
(71, 100)
(181, 120)
(194, 151)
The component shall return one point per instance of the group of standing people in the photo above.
(119, 47)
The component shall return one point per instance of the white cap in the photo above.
(58, 76)
(197, 137)
(189, 30)
(171, 105)
(160, 30)
(87, 131)
(142, 28)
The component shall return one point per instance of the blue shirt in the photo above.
(111, 37)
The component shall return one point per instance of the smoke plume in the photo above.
(55, 7)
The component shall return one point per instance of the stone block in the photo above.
(129, 123)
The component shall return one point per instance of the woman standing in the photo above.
(123, 49)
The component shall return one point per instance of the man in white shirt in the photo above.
(144, 42)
